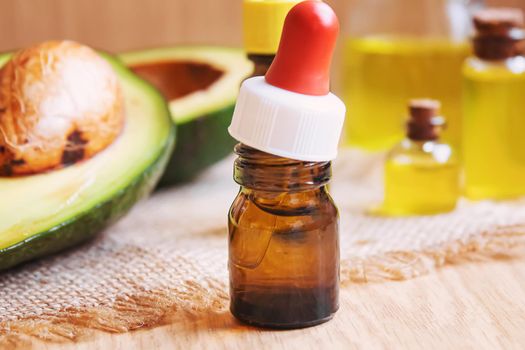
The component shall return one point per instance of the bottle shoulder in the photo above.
(423, 153)
(478, 69)
(254, 208)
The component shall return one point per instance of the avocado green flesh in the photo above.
(45, 213)
(203, 116)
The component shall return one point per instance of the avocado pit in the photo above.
(60, 103)
(75, 150)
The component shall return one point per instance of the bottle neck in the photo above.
(261, 63)
(496, 48)
(262, 171)
(419, 145)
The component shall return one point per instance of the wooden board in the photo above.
(472, 306)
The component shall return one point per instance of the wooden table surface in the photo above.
(471, 306)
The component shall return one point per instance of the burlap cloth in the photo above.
(167, 260)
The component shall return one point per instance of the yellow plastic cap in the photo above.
(263, 22)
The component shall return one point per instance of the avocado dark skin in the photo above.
(200, 143)
(201, 84)
(85, 226)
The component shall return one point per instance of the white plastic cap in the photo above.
(287, 124)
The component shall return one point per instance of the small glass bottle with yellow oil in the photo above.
(494, 107)
(391, 50)
(421, 172)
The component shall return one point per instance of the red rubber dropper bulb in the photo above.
(302, 62)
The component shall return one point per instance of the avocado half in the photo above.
(45, 213)
(201, 85)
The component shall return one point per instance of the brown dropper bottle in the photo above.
(262, 25)
(283, 224)
(284, 243)
(499, 33)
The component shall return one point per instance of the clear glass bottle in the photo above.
(283, 242)
(494, 107)
(397, 49)
(421, 172)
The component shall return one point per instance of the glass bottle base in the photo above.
(494, 193)
(285, 309)
(284, 325)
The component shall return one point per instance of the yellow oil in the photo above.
(494, 133)
(419, 182)
(381, 73)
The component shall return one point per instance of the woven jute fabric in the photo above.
(167, 260)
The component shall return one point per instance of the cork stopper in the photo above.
(499, 33)
(498, 20)
(424, 124)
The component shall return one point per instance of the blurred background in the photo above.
(116, 25)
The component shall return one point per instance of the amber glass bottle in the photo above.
(261, 63)
(283, 242)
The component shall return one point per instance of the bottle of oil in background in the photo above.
(262, 25)
(392, 49)
(421, 172)
(494, 107)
